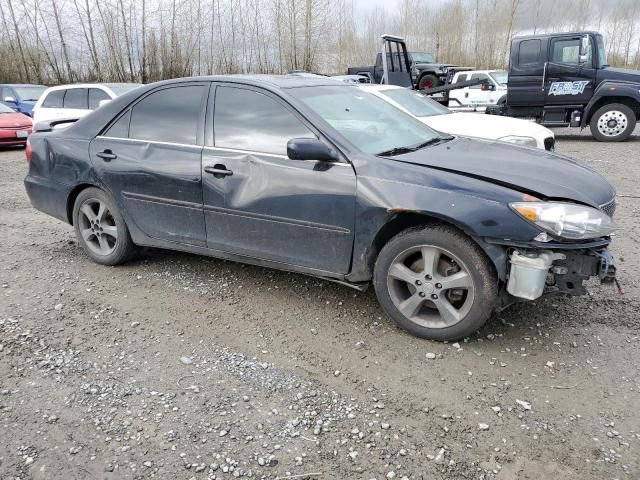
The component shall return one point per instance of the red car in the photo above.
(14, 127)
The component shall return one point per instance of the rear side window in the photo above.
(76, 98)
(249, 120)
(54, 99)
(120, 129)
(169, 115)
(96, 96)
(529, 52)
(462, 77)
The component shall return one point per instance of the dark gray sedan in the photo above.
(318, 177)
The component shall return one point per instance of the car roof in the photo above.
(90, 85)
(21, 85)
(557, 34)
(270, 81)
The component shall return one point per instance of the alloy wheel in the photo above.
(97, 226)
(430, 286)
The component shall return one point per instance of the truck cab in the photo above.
(563, 80)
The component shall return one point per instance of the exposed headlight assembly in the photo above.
(566, 220)
(525, 141)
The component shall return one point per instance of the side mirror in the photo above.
(10, 100)
(103, 102)
(585, 47)
(310, 149)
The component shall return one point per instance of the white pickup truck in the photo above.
(477, 97)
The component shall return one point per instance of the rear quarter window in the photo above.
(529, 52)
(76, 98)
(54, 99)
(96, 96)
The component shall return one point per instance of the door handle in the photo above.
(218, 170)
(107, 155)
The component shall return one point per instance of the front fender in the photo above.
(478, 208)
(611, 89)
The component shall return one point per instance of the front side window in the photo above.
(501, 78)
(76, 98)
(54, 99)
(249, 120)
(415, 103)
(169, 115)
(96, 96)
(566, 51)
(479, 76)
(370, 123)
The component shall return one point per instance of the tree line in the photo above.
(64, 41)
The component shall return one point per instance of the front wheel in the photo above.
(614, 122)
(436, 283)
(428, 82)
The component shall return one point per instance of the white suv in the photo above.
(75, 101)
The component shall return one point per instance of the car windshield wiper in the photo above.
(413, 148)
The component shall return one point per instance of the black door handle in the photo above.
(107, 155)
(218, 170)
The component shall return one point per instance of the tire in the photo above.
(397, 296)
(428, 81)
(614, 122)
(101, 229)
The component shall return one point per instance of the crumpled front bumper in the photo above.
(568, 275)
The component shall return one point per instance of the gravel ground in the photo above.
(177, 366)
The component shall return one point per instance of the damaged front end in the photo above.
(533, 273)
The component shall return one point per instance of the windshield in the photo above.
(5, 109)
(29, 94)
(415, 103)
(122, 89)
(421, 57)
(602, 53)
(500, 77)
(368, 122)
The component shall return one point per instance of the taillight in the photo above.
(28, 151)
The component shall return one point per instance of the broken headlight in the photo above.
(566, 220)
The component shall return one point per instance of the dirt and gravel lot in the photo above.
(177, 367)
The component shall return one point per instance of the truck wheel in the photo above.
(435, 282)
(427, 82)
(614, 122)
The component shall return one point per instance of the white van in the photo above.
(75, 101)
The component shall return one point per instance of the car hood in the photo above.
(623, 74)
(491, 127)
(13, 120)
(528, 170)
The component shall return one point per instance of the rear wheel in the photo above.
(435, 282)
(427, 82)
(614, 122)
(101, 229)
